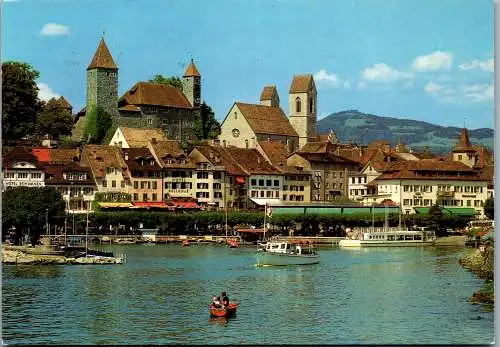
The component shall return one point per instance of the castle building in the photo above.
(145, 104)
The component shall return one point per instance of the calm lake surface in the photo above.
(161, 296)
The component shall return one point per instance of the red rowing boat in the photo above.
(224, 312)
(185, 243)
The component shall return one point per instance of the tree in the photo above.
(26, 209)
(97, 123)
(206, 126)
(20, 103)
(173, 81)
(54, 120)
(435, 218)
(489, 208)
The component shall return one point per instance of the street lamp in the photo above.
(47, 231)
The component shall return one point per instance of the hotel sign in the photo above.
(23, 184)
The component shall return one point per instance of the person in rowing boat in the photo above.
(216, 302)
(225, 300)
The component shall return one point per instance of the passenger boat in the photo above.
(278, 253)
(389, 238)
(224, 312)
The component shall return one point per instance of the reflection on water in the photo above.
(161, 295)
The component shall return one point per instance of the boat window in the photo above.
(287, 246)
(418, 237)
(409, 237)
(282, 246)
(390, 237)
(400, 237)
(275, 246)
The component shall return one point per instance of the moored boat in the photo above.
(224, 312)
(233, 243)
(279, 253)
(389, 238)
(185, 243)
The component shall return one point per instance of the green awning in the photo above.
(356, 210)
(288, 210)
(323, 210)
(460, 211)
(383, 210)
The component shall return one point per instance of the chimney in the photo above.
(153, 140)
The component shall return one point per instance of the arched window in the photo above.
(311, 105)
(246, 144)
(297, 105)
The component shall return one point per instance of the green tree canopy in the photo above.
(26, 209)
(97, 124)
(174, 81)
(20, 103)
(54, 119)
(206, 126)
(489, 208)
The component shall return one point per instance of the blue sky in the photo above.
(428, 60)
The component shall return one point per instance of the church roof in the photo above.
(464, 144)
(268, 92)
(191, 70)
(102, 58)
(155, 94)
(266, 119)
(301, 83)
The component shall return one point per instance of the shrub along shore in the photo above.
(482, 264)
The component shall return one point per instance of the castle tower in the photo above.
(302, 99)
(463, 151)
(269, 96)
(191, 85)
(102, 81)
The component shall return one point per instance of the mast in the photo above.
(87, 235)
(400, 204)
(265, 213)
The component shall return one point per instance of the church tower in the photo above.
(302, 99)
(463, 151)
(269, 96)
(191, 85)
(102, 81)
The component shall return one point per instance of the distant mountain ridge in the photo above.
(362, 128)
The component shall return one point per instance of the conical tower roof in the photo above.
(464, 144)
(102, 58)
(191, 70)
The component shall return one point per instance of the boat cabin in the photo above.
(290, 248)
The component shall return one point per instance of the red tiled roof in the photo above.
(54, 174)
(19, 154)
(42, 154)
(301, 83)
(276, 151)
(64, 155)
(154, 94)
(100, 157)
(140, 159)
(191, 70)
(252, 161)
(139, 137)
(266, 119)
(102, 58)
(219, 156)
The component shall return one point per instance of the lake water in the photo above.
(161, 296)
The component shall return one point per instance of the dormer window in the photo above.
(169, 161)
(311, 105)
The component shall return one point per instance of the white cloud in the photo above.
(435, 61)
(486, 65)
(479, 92)
(45, 93)
(53, 29)
(347, 85)
(432, 88)
(383, 73)
(361, 85)
(322, 77)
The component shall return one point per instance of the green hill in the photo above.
(363, 128)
